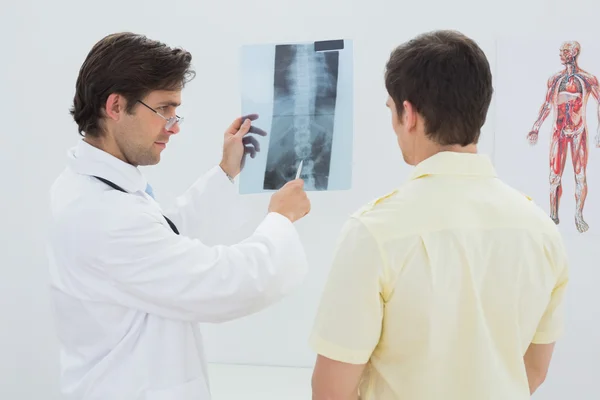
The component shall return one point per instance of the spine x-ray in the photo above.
(303, 96)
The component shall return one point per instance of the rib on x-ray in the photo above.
(303, 95)
(305, 89)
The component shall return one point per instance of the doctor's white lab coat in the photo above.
(129, 293)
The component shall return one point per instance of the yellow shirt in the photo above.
(441, 286)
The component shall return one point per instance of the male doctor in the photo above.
(131, 281)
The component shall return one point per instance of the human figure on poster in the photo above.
(568, 93)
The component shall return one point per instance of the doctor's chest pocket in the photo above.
(195, 389)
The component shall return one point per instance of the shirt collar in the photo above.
(89, 160)
(453, 163)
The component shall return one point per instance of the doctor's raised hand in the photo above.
(291, 200)
(237, 144)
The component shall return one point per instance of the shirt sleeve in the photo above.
(210, 208)
(137, 261)
(551, 326)
(349, 318)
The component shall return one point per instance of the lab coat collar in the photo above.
(89, 160)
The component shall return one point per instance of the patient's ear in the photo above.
(409, 117)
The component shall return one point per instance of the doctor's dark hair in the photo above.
(447, 78)
(128, 64)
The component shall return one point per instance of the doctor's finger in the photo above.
(295, 184)
(245, 128)
(235, 125)
(238, 122)
(249, 150)
(257, 131)
(251, 140)
(251, 117)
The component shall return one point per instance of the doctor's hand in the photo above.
(291, 201)
(237, 144)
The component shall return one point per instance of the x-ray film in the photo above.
(302, 93)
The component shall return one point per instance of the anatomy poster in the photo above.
(547, 125)
(303, 94)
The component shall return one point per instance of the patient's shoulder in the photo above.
(373, 204)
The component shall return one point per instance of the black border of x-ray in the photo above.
(329, 45)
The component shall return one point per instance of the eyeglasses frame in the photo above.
(170, 121)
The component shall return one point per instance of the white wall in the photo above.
(43, 49)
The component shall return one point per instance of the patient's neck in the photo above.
(427, 150)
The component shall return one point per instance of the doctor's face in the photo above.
(142, 135)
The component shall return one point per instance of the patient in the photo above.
(451, 286)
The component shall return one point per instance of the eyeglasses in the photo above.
(170, 121)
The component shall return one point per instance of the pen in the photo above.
(299, 169)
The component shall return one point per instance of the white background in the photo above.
(44, 46)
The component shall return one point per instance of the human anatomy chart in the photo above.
(302, 93)
(547, 134)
